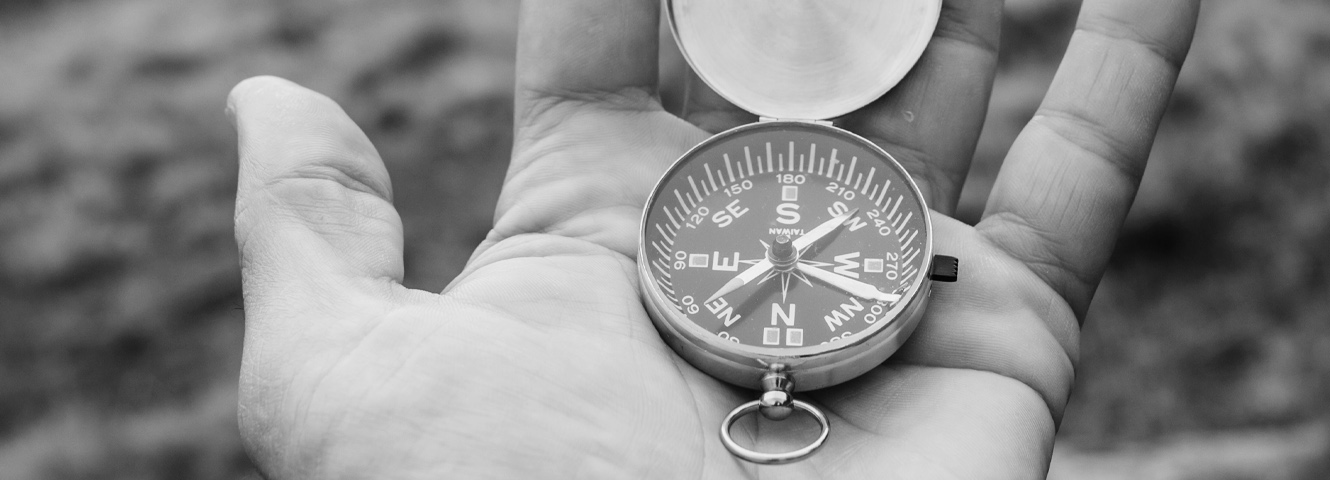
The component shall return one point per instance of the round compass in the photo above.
(790, 255)
(786, 243)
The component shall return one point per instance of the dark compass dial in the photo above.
(780, 236)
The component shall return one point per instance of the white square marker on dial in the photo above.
(699, 260)
(789, 193)
(794, 337)
(771, 336)
(873, 265)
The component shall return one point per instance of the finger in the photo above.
(594, 52)
(1071, 175)
(931, 121)
(313, 215)
(999, 317)
(708, 110)
(927, 422)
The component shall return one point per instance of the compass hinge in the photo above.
(945, 269)
(826, 123)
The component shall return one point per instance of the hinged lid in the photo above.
(802, 59)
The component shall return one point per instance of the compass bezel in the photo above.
(814, 366)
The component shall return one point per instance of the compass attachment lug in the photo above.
(777, 402)
(825, 123)
(945, 269)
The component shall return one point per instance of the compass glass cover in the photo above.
(720, 208)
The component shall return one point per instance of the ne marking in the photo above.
(748, 156)
(729, 169)
(710, 178)
(694, 184)
(871, 171)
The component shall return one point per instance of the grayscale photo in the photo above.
(665, 239)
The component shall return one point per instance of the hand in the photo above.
(800, 244)
(847, 284)
(539, 360)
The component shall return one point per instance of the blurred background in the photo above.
(1206, 353)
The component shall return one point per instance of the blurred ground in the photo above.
(1206, 353)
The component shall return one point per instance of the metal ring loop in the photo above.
(772, 458)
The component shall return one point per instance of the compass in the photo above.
(790, 255)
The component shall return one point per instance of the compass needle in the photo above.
(826, 228)
(849, 285)
(741, 280)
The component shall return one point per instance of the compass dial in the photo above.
(781, 236)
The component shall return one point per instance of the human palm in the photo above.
(539, 360)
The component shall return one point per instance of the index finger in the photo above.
(1070, 178)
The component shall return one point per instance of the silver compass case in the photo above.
(796, 64)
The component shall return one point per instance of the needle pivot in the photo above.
(782, 254)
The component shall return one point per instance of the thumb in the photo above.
(314, 220)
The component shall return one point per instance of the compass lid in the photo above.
(802, 59)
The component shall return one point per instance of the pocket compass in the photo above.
(790, 255)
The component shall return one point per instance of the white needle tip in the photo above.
(729, 286)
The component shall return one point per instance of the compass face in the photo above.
(781, 236)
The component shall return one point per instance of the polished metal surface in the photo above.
(772, 458)
(776, 401)
(802, 59)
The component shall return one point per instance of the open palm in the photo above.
(539, 360)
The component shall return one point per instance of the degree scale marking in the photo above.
(874, 192)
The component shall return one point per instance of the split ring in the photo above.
(772, 458)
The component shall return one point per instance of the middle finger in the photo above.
(931, 121)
